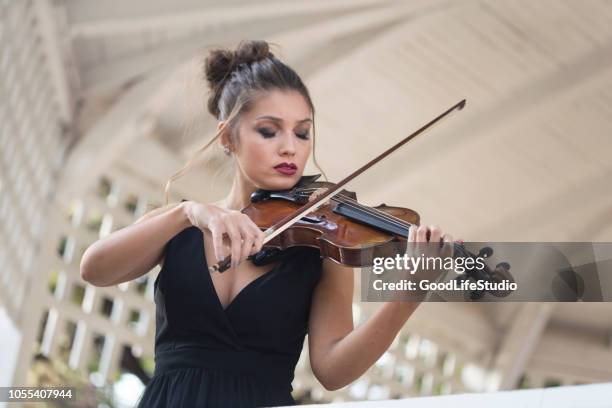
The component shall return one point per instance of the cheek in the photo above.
(306, 151)
(258, 153)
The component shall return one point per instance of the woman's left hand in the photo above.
(428, 241)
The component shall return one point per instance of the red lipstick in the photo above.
(288, 169)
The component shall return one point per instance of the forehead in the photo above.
(290, 106)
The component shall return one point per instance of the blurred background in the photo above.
(102, 101)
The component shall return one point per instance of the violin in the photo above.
(341, 228)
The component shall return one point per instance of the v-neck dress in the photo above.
(241, 356)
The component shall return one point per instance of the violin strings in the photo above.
(372, 211)
(376, 213)
(389, 217)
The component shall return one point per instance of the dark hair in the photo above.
(236, 79)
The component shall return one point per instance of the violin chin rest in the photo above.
(260, 194)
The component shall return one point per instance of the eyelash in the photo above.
(266, 133)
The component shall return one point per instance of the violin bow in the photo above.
(313, 205)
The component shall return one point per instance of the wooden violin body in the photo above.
(342, 232)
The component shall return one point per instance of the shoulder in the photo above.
(335, 273)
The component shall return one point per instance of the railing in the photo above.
(582, 396)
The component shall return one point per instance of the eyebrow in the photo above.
(275, 119)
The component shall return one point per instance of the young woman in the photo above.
(233, 339)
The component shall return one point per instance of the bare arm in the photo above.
(340, 353)
(134, 250)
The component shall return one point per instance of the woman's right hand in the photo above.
(243, 235)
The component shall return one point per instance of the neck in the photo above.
(240, 194)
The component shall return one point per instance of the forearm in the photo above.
(351, 356)
(137, 247)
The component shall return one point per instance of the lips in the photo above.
(286, 168)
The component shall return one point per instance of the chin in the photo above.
(280, 182)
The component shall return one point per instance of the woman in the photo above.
(233, 339)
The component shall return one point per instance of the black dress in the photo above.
(241, 356)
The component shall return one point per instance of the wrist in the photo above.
(184, 214)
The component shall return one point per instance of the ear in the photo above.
(224, 136)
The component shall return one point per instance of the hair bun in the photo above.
(221, 62)
(248, 52)
(217, 65)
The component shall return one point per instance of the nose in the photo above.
(287, 147)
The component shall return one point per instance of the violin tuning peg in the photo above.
(485, 252)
